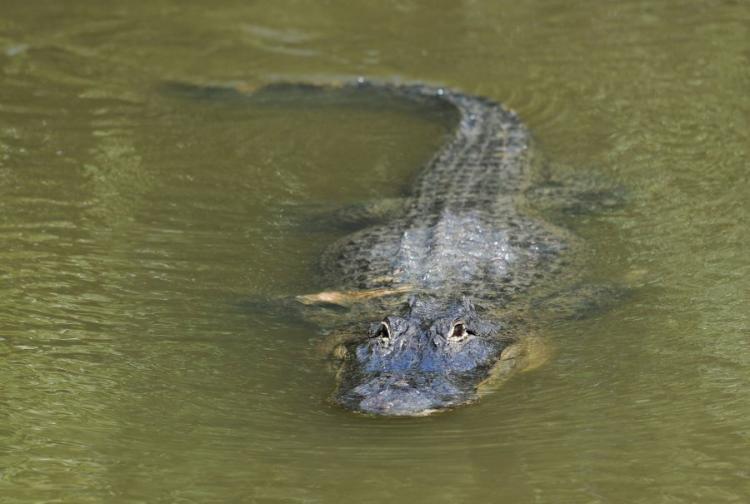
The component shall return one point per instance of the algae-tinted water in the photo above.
(133, 226)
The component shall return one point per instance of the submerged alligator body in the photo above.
(441, 274)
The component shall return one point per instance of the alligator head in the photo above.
(431, 358)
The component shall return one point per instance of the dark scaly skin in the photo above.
(461, 251)
(465, 200)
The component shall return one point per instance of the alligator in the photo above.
(459, 251)
(433, 286)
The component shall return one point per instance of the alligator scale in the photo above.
(435, 287)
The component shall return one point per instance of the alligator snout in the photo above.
(400, 395)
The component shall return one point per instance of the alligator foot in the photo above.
(566, 192)
(346, 298)
(526, 354)
(581, 301)
(322, 217)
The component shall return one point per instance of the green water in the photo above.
(133, 226)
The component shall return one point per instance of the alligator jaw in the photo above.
(405, 396)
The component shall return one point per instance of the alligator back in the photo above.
(463, 231)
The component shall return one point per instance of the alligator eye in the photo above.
(384, 331)
(458, 330)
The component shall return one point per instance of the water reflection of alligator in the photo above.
(447, 265)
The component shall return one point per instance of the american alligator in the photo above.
(443, 272)
(432, 289)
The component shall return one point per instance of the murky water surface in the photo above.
(134, 227)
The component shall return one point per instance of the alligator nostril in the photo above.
(401, 384)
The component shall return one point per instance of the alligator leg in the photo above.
(580, 301)
(351, 217)
(310, 309)
(526, 354)
(566, 191)
(346, 298)
(531, 351)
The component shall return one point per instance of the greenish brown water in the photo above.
(133, 226)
